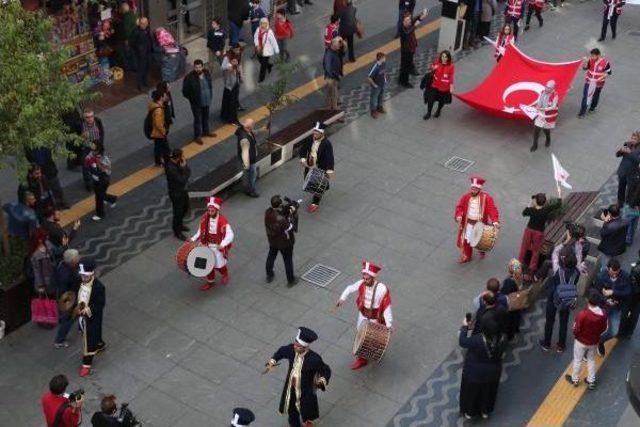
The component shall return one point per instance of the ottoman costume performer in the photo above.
(474, 206)
(317, 153)
(242, 417)
(215, 232)
(373, 302)
(307, 372)
(547, 114)
(91, 301)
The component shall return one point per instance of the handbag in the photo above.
(518, 300)
(44, 311)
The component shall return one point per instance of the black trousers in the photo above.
(265, 66)
(143, 64)
(406, 66)
(229, 108)
(287, 257)
(630, 317)
(180, 204)
(606, 22)
(622, 189)
(101, 195)
(430, 106)
(536, 135)
(550, 320)
(350, 46)
(56, 189)
(530, 12)
(161, 150)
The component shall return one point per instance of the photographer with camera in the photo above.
(60, 410)
(281, 222)
(107, 417)
(539, 213)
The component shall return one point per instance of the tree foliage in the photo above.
(277, 96)
(35, 94)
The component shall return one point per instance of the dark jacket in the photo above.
(100, 419)
(629, 164)
(191, 87)
(613, 237)
(42, 157)
(141, 42)
(313, 366)
(325, 153)
(237, 11)
(483, 360)
(332, 64)
(496, 313)
(408, 40)
(66, 278)
(216, 39)
(348, 21)
(177, 178)
(406, 5)
(621, 287)
(279, 229)
(241, 133)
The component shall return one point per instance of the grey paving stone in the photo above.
(158, 408)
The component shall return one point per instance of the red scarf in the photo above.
(261, 38)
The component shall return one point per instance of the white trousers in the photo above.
(579, 351)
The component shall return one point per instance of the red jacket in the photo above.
(330, 32)
(590, 323)
(442, 76)
(488, 210)
(50, 405)
(283, 29)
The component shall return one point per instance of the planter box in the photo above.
(15, 304)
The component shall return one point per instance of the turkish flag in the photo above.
(515, 84)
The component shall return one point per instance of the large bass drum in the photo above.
(316, 182)
(196, 259)
(483, 237)
(371, 341)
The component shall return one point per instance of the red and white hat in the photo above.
(370, 268)
(477, 181)
(215, 202)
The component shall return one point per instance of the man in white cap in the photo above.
(91, 301)
(373, 302)
(317, 153)
(242, 417)
(215, 232)
(547, 114)
(307, 372)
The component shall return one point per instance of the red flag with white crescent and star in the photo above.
(513, 87)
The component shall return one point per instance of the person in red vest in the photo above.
(215, 232)
(373, 302)
(473, 207)
(547, 114)
(513, 15)
(534, 6)
(598, 68)
(612, 9)
(442, 72)
(504, 38)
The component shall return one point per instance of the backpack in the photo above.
(566, 293)
(148, 123)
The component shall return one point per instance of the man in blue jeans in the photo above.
(377, 80)
(615, 287)
(66, 278)
(198, 89)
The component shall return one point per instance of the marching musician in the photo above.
(91, 301)
(317, 153)
(473, 207)
(547, 114)
(307, 372)
(242, 417)
(598, 68)
(373, 302)
(215, 232)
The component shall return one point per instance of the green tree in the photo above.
(276, 93)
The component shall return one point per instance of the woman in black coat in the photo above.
(512, 284)
(482, 368)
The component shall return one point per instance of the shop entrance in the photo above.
(186, 19)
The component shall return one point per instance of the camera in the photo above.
(76, 395)
(126, 417)
(290, 209)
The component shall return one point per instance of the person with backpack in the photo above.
(630, 318)
(614, 286)
(590, 323)
(155, 127)
(562, 299)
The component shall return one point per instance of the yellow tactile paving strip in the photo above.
(563, 397)
(146, 174)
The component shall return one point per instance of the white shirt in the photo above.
(84, 295)
(368, 297)
(473, 210)
(213, 229)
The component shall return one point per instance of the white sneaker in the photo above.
(63, 344)
(96, 218)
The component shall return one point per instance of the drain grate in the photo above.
(458, 164)
(320, 275)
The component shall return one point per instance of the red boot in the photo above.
(360, 362)
(225, 279)
(207, 285)
(85, 371)
(463, 260)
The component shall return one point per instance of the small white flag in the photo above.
(559, 173)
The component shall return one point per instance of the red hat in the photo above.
(370, 268)
(477, 181)
(215, 202)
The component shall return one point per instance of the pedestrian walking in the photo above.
(377, 79)
(405, 7)
(598, 68)
(332, 67)
(90, 308)
(613, 234)
(198, 89)
(90, 130)
(487, 12)
(256, 13)
(439, 87)
(238, 13)
(317, 153)
(612, 10)
(280, 224)
(42, 157)
(504, 39)
(534, 7)
(266, 47)
(472, 22)
(178, 174)
(540, 213)
(247, 147)
(331, 30)
(66, 279)
(513, 12)
(408, 47)
(590, 323)
(216, 39)
(547, 114)
(156, 116)
(628, 166)
(284, 31)
(141, 44)
(99, 167)
(232, 79)
(349, 27)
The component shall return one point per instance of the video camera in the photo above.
(289, 209)
(126, 417)
(76, 395)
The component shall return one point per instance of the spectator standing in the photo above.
(408, 46)
(22, 219)
(284, 31)
(169, 110)
(575, 243)
(232, 79)
(441, 85)
(472, 21)
(488, 10)
(66, 278)
(41, 156)
(266, 47)
(37, 184)
(332, 67)
(42, 263)
(107, 416)
(613, 235)
(280, 233)
(141, 43)
(493, 307)
(405, 7)
(377, 81)
(597, 69)
(492, 287)
(331, 30)
(534, 6)
(216, 39)
(539, 213)
(198, 89)
(630, 320)
(99, 166)
(58, 410)
(612, 10)
(248, 155)
(238, 12)
(348, 27)
(628, 167)
(256, 13)
(91, 130)
(123, 30)
(178, 173)
(513, 283)
(159, 129)
(57, 235)
(590, 323)
(513, 12)
(614, 286)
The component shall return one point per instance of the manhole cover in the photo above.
(458, 164)
(320, 275)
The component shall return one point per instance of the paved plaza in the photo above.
(182, 357)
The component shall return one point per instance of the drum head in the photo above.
(201, 261)
(362, 332)
(476, 233)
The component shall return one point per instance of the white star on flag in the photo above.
(559, 173)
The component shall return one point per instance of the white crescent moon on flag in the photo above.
(537, 88)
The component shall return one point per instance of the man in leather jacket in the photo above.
(280, 227)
